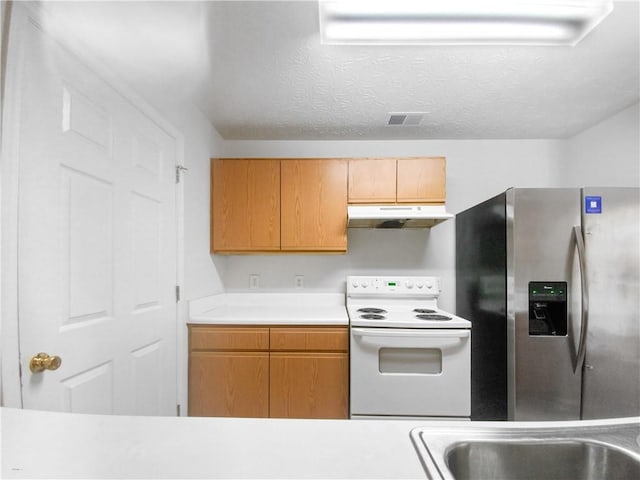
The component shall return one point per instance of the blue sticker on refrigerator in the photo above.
(592, 204)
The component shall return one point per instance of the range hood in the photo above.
(396, 216)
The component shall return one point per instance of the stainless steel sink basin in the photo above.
(594, 450)
(530, 460)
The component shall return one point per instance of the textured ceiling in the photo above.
(258, 71)
(272, 79)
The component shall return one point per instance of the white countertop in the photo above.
(270, 309)
(54, 445)
(37, 444)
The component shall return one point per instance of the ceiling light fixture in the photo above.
(456, 22)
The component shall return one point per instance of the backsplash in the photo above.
(393, 252)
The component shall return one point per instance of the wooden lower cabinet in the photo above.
(285, 372)
(229, 384)
(308, 385)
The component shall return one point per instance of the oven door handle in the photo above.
(421, 333)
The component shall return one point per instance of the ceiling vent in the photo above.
(408, 119)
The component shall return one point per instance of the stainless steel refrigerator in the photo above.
(549, 279)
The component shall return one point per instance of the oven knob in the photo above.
(408, 284)
(365, 283)
(429, 285)
(354, 283)
(419, 284)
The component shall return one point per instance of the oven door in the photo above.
(410, 372)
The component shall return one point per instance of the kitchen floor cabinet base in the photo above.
(279, 371)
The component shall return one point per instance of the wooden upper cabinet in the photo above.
(421, 180)
(314, 205)
(402, 180)
(245, 205)
(372, 180)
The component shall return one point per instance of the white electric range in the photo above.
(408, 358)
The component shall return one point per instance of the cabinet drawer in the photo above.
(228, 338)
(334, 339)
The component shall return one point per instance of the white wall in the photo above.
(476, 170)
(607, 154)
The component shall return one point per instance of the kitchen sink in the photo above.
(526, 451)
(542, 459)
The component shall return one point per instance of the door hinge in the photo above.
(177, 293)
(179, 169)
(178, 410)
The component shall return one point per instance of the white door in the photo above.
(96, 241)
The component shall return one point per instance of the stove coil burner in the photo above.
(371, 310)
(373, 316)
(423, 310)
(433, 317)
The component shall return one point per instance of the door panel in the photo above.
(147, 379)
(96, 236)
(145, 242)
(541, 248)
(90, 391)
(87, 228)
(611, 383)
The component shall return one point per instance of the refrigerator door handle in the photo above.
(584, 314)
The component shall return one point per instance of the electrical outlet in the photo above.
(299, 281)
(254, 281)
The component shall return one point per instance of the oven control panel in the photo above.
(387, 285)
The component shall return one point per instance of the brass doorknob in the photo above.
(44, 361)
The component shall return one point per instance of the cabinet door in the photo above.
(314, 205)
(229, 384)
(421, 180)
(372, 180)
(308, 385)
(245, 205)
